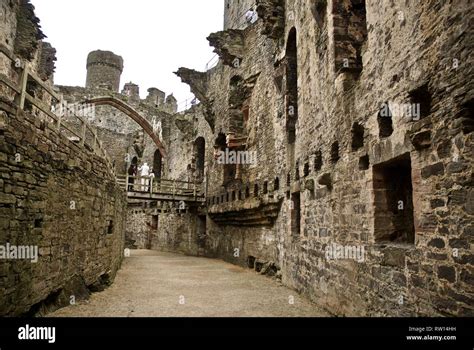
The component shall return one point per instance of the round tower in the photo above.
(104, 69)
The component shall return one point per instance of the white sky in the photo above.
(154, 37)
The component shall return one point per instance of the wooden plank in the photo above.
(35, 102)
(44, 86)
(7, 52)
(64, 126)
(83, 133)
(12, 85)
(24, 81)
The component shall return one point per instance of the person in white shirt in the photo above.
(144, 172)
(251, 16)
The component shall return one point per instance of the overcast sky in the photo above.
(154, 37)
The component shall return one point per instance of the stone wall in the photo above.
(395, 185)
(234, 12)
(63, 200)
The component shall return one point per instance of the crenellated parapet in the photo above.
(272, 13)
(229, 45)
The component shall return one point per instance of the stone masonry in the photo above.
(319, 89)
(334, 141)
(55, 196)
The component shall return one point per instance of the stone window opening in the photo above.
(318, 161)
(239, 196)
(291, 85)
(265, 187)
(255, 190)
(154, 222)
(221, 142)
(393, 191)
(297, 171)
(306, 169)
(357, 136)
(351, 25)
(200, 157)
(364, 162)
(288, 180)
(247, 192)
(230, 171)
(466, 115)
(233, 196)
(335, 152)
(251, 262)
(110, 227)
(384, 120)
(38, 223)
(296, 214)
(319, 11)
(420, 99)
(276, 184)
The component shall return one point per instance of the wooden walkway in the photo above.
(152, 189)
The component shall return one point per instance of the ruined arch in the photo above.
(132, 113)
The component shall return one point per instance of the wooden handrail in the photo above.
(23, 96)
(153, 185)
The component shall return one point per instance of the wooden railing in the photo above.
(86, 138)
(161, 189)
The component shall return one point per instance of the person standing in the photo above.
(251, 16)
(144, 173)
(132, 172)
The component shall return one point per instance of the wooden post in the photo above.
(151, 185)
(94, 143)
(126, 183)
(24, 81)
(83, 132)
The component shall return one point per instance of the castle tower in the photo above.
(132, 91)
(155, 97)
(171, 104)
(104, 69)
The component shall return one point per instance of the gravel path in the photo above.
(156, 284)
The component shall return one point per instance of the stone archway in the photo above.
(132, 113)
